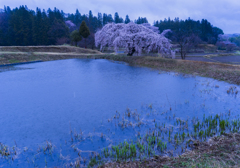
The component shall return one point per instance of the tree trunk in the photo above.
(181, 52)
(131, 52)
(85, 42)
(184, 56)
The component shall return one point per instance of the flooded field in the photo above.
(87, 112)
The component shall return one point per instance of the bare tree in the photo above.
(91, 40)
(230, 47)
(186, 42)
(226, 45)
(195, 41)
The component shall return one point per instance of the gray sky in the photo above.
(224, 14)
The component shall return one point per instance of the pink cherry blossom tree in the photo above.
(134, 38)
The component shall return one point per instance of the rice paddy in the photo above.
(160, 120)
(172, 137)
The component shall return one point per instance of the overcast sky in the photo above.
(224, 14)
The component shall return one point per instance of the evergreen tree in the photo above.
(77, 18)
(105, 19)
(127, 20)
(116, 18)
(84, 31)
(4, 27)
(21, 22)
(141, 20)
(36, 28)
(90, 21)
(22, 26)
(216, 32)
(121, 20)
(94, 24)
(100, 21)
(75, 36)
(110, 18)
(90, 15)
(202, 28)
(44, 28)
(57, 31)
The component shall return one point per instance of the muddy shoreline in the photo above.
(223, 72)
(214, 153)
(221, 151)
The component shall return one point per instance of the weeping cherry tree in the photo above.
(134, 38)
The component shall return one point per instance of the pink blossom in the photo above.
(134, 38)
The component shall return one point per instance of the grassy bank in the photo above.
(47, 49)
(15, 54)
(219, 152)
(223, 72)
(219, 71)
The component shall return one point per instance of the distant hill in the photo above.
(1, 10)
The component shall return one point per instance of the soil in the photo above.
(222, 151)
(220, 71)
(224, 72)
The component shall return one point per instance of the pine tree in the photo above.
(110, 19)
(105, 19)
(100, 21)
(116, 18)
(77, 18)
(141, 20)
(84, 31)
(127, 20)
(22, 26)
(90, 21)
(36, 28)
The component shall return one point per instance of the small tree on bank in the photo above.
(84, 31)
(186, 42)
(75, 37)
(133, 38)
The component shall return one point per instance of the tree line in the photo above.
(235, 40)
(203, 29)
(22, 26)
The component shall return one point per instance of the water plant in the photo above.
(171, 136)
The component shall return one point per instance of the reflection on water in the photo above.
(11, 68)
(55, 111)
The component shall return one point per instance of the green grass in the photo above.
(12, 61)
(222, 133)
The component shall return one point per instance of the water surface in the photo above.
(45, 101)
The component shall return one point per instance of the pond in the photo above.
(55, 112)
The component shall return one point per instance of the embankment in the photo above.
(224, 72)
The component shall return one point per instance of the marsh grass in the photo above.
(213, 142)
(164, 140)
